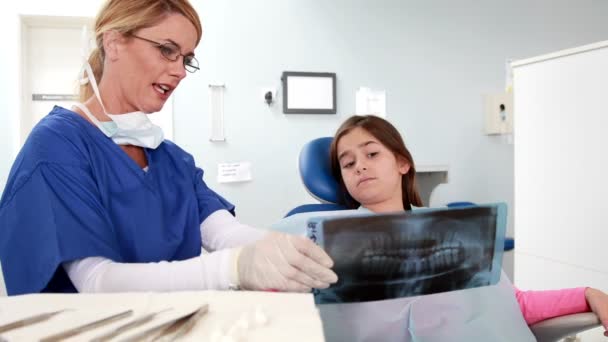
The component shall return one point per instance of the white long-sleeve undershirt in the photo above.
(220, 233)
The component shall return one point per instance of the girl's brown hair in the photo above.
(128, 16)
(388, 136)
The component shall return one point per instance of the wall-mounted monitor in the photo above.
(309, 92)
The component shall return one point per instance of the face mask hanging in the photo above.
(134, 128)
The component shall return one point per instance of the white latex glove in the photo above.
(284, 262)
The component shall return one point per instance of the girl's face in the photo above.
(371, 172)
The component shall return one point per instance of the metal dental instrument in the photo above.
(189, 323)
(128, 326)
(159, 329)
(29, 320)
(86, 327)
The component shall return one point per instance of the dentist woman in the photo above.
(98, 201)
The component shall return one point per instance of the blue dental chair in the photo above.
(315, 171)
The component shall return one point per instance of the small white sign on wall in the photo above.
(234, 172)
(370, 101)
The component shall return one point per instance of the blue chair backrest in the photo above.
(315, 170)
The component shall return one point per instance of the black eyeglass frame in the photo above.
(179, 53)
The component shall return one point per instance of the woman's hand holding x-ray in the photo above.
(284, 262)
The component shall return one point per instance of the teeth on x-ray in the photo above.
(406, 257)
(393, 256)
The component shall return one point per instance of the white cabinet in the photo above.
(561, 160)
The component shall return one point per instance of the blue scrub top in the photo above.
(73, 193)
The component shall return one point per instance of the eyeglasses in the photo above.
(172, 52)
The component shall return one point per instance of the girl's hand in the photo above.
(598, 302)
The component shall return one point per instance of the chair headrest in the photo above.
(315, 170)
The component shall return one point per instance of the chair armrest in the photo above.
(554, 329)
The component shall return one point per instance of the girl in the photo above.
(375, 170)
(376, 173)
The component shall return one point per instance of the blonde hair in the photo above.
(128, 16)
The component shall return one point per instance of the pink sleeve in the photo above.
(537, 306)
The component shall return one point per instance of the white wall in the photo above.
(434, 58)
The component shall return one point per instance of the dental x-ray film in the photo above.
(418, 252)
